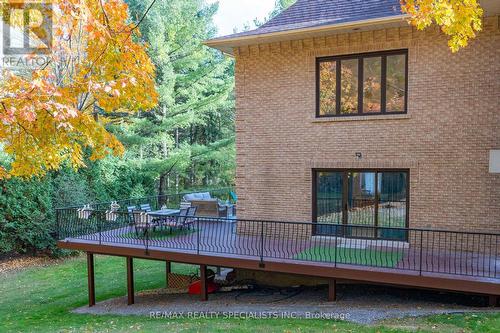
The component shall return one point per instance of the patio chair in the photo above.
(142, 222)
(234, 197)
(176, 221)
(190, 217)
(130, 211)
(147, 208)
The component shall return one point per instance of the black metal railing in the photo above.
(423, 251)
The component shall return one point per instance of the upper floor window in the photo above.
(362, 84)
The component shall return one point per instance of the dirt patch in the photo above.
(15, 262)
(356, 303)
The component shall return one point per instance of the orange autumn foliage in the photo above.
(458, 19)
(47, 116)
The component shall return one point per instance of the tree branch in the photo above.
(143, 16)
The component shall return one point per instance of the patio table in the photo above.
(164, 217)
(164, 213)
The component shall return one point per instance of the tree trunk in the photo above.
(162, 189)
(177, 146)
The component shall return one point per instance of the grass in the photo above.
(40, 299)
(159, 233)
(351, 256)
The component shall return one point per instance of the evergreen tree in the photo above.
(188, 140)
(279, 6)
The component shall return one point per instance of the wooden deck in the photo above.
(217, 243)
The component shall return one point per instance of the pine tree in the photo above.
(190, 135)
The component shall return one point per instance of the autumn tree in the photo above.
(458, 19)
(49, 116)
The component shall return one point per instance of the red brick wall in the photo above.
(453, 121)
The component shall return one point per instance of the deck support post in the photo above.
(493, 300)
(90, 278)
(168, 270)
(203, 283)
(332, 290)
(130, 281)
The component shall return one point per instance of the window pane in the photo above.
(361, 203)
(327, 87)
(329, 197)
(349, 86)
(396, 83)
(329, 188)
(372, 74)
(392, 204)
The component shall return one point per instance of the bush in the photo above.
(27, 207)
(26, 216)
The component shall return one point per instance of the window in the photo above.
(363, 84)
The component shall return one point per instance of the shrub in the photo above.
(26, 216)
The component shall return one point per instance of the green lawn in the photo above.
(351, 256)
(40, 300)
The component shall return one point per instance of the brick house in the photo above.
(348, 115)
(349, 118)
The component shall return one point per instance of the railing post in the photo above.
(198, 236)
(421, 250)
(261, 244)
(99, 228)
(496, 257)
(58, 216)
(335, 251)
(146, 237)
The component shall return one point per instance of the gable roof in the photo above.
(316, 14)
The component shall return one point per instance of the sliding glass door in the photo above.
(361, 203)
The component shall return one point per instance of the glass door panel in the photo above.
(329, 196)
(392, 204)
(361, 203)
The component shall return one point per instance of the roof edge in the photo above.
(226, 44)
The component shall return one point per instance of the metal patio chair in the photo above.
(174, 222)
(130, 211)
(190, 217)
(143, 222)
(146, 207)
